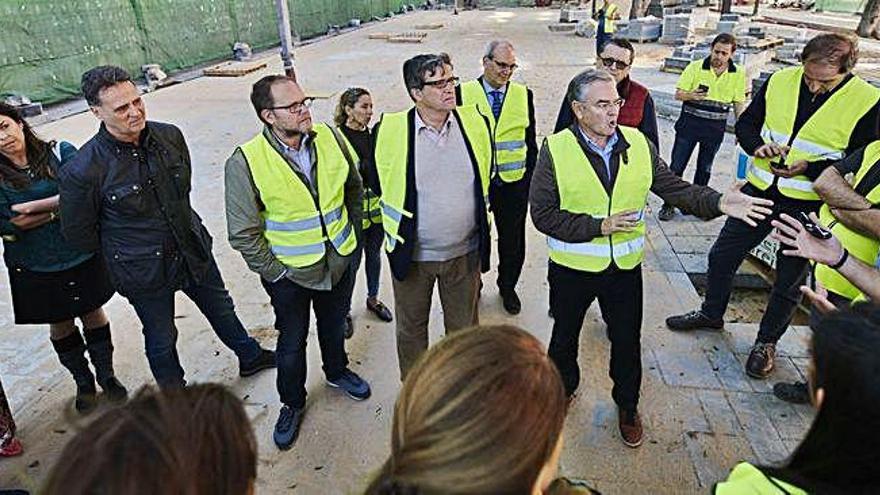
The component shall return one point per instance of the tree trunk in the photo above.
(868, 27)
(725, 6)
(636, 9)
(755, 10)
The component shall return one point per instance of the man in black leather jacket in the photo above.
(126, 194)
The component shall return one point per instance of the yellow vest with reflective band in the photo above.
(509, 129)
(581, 191)
(824, 136)
(391, 154)
(864, 248)
(609, 23)
(746, 479)
(372, 211)
(296, 227)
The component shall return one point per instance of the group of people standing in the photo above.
(306, 201)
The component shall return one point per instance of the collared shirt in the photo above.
(301, 158)
(605, 152)
(489, 89)
(437, 137)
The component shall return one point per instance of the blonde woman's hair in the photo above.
(480, 413)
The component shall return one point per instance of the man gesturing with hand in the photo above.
(588, 195)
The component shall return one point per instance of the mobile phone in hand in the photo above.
(702, 88)
(813, 228)
(778, 165)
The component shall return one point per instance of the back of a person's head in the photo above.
(191, 441)
(839, 452)
(480, 413)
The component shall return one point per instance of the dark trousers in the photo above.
(683, 148)
(601, 37)
(510, 203)
(370, 250)
(733, 244)
(292, 303)
(156, 312)
(620, 299)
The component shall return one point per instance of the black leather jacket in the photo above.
(131, 203)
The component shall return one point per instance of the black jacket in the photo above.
(131, 203)
(401, 257)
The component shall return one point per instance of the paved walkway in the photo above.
(702, 415)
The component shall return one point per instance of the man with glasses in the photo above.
(616, 57)
(126, 195)
(511, 112)
(293, 211)
(431, 171)
(802, 121)
(707, 88)
(588, 196)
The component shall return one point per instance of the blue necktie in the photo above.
(496, 103)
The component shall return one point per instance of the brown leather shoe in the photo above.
(762, 360)
(630, 424)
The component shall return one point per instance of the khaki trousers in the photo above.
(459, 283)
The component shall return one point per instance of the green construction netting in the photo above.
(46, 45)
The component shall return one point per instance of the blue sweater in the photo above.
(42, 249)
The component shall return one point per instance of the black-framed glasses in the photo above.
(297, 106)
(503, 66)
(605, 105)
(610, 61)
(443, 83)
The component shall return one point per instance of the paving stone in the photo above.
(794, 343)
(692, 244)
(712, 455)
(759, 429)
(728, 369)
(720, 415)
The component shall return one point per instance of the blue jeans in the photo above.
(682, 150)
(156, 312)
(292, 303)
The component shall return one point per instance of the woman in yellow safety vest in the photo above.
(839, 453)
(353, 115)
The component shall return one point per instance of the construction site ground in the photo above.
(702, 414)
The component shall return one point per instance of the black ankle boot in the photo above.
(100, 348)
(71, 352)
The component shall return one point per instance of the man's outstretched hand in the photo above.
(749, 209)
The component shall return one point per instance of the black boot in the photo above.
(71, 352)
(101, 353)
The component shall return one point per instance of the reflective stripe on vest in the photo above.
(392, 143)
(372, 212)
(294, 227)
(862, 247)
(825, 135)
(581, 191)
(746, 479)
(509, 130)
(609, 22)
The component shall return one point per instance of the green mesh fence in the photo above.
(46, 45)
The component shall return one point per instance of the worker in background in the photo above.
(511, 112)
(707, 88)
(616, 57)
(852, 214)
(293, 211)
(588, 196)
(605, 17)
(431, 170)
(798, 124)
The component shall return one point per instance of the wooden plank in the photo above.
(379, 36)
(429, 26)
(234, 68)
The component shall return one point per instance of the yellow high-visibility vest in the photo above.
(392, 150)
(746, 479)
(581, 191)
(824, 136)
(510, 128)
(609, 22)
(296, 226)
(372, 211)
(862, 247)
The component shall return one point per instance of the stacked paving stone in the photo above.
(640, 30)
(676, 29)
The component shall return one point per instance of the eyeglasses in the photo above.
(297, 106)
(609, 61)
(503, 66)
(443, 83)
(605, 105)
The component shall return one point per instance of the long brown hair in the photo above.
(37, 154)
(480, 413)
(349, 98)
(191, 441)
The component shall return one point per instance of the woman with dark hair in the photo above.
(191, 441)
(482, 412)
(353, 115)
(50, 281)
(839, 453)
